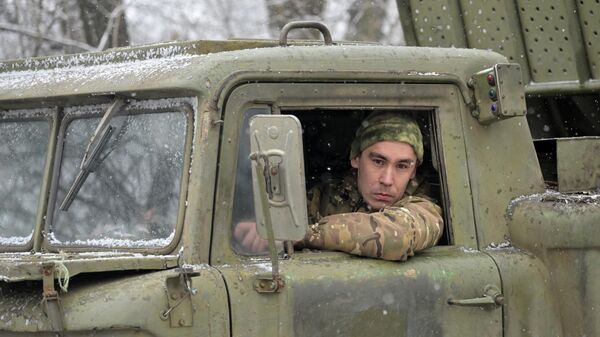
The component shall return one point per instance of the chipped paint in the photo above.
(410, 273)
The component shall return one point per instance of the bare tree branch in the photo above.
(37, 35)
(114, 17)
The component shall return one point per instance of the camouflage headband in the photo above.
(382, 126)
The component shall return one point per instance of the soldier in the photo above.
(370, 212)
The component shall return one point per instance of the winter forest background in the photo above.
(31, 28)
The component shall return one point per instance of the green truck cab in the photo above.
(125, 172)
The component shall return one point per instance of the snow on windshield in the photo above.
(15, 240)
(115, 243)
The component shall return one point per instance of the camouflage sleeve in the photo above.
(394, 233)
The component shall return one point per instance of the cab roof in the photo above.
(197, 68)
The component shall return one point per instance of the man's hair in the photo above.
(387, 126)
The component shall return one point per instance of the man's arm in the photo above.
(393, 233)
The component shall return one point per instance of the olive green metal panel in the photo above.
(502, 166)
(113, 305)
(552, 38)
(564, 231)
(577, 287)
(161, 77)
(201, 188)
(588, 11)
(556, 42)
(16, 267)
(495, 25)
(45, 191)
(405, 15)
(557, 221)
(438, 23)
(335, 294)
(578, 164)
(530, 307)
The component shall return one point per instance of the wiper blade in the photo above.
(91, 158)
(88, 166)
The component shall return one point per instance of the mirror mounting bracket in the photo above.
(267, 283)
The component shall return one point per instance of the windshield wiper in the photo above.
(91, 157)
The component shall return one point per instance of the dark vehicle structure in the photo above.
(125, 171)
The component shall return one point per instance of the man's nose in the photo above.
(386, 176)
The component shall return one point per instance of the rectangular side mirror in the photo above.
(278, 176)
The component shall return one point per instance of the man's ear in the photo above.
(355, 161)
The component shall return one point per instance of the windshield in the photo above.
(131, 194)
(23, 151)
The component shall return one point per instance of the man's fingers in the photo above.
(242, 229)
(245, 233)
(259, 245)
(248, 240)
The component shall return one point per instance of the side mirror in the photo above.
(278, 176)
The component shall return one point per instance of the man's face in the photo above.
(384, 170)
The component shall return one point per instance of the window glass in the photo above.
(327, 135)
(131, 195)
(23, 148)
(243, 203)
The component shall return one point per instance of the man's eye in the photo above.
(377, 162)
(404, 165)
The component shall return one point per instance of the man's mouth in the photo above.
(383, 197)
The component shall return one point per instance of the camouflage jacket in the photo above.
(342, 221)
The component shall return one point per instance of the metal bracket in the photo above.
(179, 296)
(268, 283)
(50, 299)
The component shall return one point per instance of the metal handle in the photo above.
(304, 24)
(491, 296)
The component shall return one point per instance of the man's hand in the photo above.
(246, 235)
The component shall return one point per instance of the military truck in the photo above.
(125, 171)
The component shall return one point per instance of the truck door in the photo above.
(449, 290)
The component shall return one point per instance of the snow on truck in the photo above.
(125, 171)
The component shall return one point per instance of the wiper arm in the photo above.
(91, 159)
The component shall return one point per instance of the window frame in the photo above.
(95, 110)
(444, 99)
(35, 114)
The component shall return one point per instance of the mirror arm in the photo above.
(289, 247)
(276, 283)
